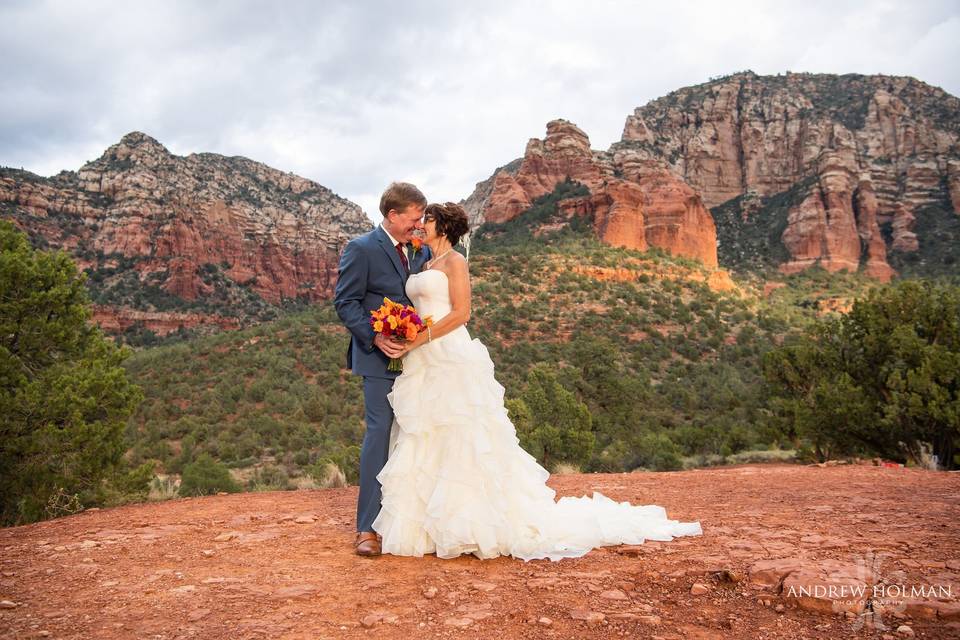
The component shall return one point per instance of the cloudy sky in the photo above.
(356, 94)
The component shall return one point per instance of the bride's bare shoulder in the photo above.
(458, 262)
(455, 265)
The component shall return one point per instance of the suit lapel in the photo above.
(391, 252)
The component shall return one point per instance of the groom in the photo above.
(373, 267)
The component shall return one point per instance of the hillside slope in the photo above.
(664, 354)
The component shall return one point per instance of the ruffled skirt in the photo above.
(457, 480)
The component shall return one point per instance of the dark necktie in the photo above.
(403, 258)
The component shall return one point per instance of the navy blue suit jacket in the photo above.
(370, 270)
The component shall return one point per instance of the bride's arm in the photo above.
(458, 277)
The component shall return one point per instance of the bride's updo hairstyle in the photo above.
(451, 220)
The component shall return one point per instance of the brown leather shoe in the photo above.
(368, 543)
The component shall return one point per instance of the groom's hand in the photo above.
(388, 346)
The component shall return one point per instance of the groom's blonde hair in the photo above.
(399, 196)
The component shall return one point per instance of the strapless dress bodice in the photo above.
(430, 293)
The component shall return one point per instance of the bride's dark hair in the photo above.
(451, 220)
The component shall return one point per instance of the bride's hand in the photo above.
(389, 346)
(407, 347)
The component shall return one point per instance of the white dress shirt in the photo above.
(393, 241)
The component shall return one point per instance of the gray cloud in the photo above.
(355, 94)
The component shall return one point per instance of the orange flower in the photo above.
(398, 321)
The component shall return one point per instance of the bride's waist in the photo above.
(458, 333)
(436, 315)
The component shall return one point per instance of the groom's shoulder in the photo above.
(367, 239)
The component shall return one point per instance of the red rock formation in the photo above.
(119, 319)
(637, 203)
(564, 153)
(277, 234)
(619, 219)
(675, 217)
(837, 216)
(953, 184)
(510, 199)
(904, 239)
(807, 234)
(865, 206)
(764, 135)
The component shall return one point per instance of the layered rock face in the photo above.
(118, 320)
(636, 201)
(879, 149)
(169, 217)
(565, 152)
(836, 223)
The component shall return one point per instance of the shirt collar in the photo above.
(392, 239)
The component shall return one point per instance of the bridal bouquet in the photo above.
(400, 322)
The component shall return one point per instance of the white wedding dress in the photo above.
(457, 480)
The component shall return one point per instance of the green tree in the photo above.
(884, 379)
(656, 451)
(64, 396)
(205, 476)
(551, 423)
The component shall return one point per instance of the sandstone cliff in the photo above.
(636, 202)
(170, 241)
(882, 152)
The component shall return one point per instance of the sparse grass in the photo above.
(164, 487)
(747, 457)
(564, 468)
(329, 476)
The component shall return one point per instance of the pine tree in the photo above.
(882, 380)
(551, 423)
(64, 396)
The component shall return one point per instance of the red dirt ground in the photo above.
(288, 571)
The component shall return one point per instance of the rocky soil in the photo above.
(281, 566)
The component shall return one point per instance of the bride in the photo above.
(456, 480)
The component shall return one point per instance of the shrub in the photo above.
(658, 452)
(205, 476)
(269, 477)
(327, 475)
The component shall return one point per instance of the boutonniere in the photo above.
(416, 243)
